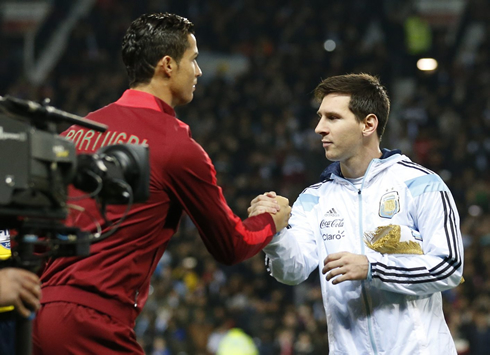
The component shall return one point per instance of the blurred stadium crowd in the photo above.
(257, 126)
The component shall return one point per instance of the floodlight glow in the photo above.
(329, 45)
(427, 64)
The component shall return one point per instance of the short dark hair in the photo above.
(367, 96)
(151, 37)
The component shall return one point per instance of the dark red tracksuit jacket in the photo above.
(115, 278)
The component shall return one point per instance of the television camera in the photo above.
(37, 166)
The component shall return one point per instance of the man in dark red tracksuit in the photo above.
(89, 305)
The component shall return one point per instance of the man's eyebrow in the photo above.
(329, 113)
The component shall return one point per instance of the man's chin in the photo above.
(331, 157)
(184, 100)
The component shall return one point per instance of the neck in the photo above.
(157, 89)
(357, 165)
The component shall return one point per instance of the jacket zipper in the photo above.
(136, 298)
(364, 291)
(137, 292)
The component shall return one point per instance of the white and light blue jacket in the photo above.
(398, 309)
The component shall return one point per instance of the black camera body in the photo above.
(38, 165)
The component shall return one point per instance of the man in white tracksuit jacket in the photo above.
(381, 295)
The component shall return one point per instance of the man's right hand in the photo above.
(20, 288)
(277, 206)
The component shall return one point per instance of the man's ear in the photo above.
(167, 66)
(370, 125)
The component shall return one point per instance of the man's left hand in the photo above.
(345, 266)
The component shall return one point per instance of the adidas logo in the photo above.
(331, 213)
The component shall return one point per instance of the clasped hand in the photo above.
(274, 204)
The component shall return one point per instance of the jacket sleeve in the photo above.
(441, 266)
(192, 180)
(292, 254)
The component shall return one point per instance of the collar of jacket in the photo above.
(334, 168)
(141, 99)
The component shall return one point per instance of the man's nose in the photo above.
(321, 128)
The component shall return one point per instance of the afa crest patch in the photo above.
(389, 205)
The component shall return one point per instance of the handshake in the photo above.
(276, 205)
